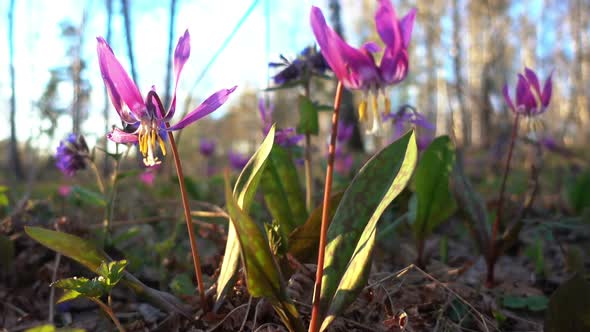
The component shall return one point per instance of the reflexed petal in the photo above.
(209, 105)
(532, 79)
(406, 27)
(352, 67)
(547, 89)
(119, 136)
(154, 104)
(523, 92)
(123, 92)
(507, 97)
(388, 25)
(181, 55)
(394, 66)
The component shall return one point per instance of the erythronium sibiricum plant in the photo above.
(356, 67)
(530, 102)
(146, 122)
(356, 70)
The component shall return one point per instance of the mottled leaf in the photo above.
(308, 117)
(351, 235)
(263, 276)
(244, 191)
(282, 192)
(434, 201)
(304, 240)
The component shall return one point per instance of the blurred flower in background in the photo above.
(207, 147)
(237, 160)
(530, 100)
(309, 62)
(284, 137)
(72, 154)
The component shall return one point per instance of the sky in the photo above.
(39, 47)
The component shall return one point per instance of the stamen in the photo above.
(363, 110)
(387, 106)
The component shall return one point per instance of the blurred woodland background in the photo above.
(462, 53)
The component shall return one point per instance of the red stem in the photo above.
(315, 310)
(496, 228)
(188, 219)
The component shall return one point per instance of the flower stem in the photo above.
(96, 172)
(315, 311)
(307, 161)
(188, 219)
(109, 312)
(493, 255)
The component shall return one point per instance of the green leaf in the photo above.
(244, 190)
(263, 276)
(351, 235)
(282, 192)
(303, 241)
(6, 251)
(569, 307)
(470, 202)
(578, 194)
(68, 245)
(69, 295)
(435, 203)
(91, 257)
(308, 117)
(182, 284)
(86, 287)
(88, 196)
(112, 272)
(51, 328)
(3, 196)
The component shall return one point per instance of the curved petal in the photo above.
(119, 136)
(406, 26)
(533, 80)
(507, 97)
(181, 55)
(394, 66)
(123, 92)
(523, 93)
(371, 47)
(547, 89)
(353, 67)
(209, 105)
(388, 25)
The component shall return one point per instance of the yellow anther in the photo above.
(374, 104)
(162, 145)
(363, 111)
(387, 106)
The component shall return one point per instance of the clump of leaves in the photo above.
(109, 275)
(432, 203)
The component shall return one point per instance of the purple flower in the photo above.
(207, 147)
(345, 132)
(309, 62)
(407, 114)
(342, 162)
(72, 154)
(237, 160)
(424, 141)
(530, 100)
(284, 137)
(356, 67)
(146, 121)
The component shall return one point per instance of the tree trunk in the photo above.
(458, 68)
(14, 153)
(128, 38)
(76, 71)
(107, 102)
(347, 108)
(168, 82)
